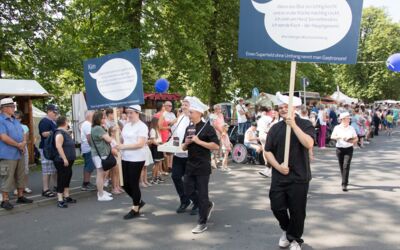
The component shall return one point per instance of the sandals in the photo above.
(48, 194)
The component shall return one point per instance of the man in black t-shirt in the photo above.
(289, 185)
(200, 139)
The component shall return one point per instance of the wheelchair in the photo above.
(242, 154)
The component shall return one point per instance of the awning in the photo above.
(162, 96)
(29, 88)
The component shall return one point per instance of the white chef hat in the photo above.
(186, 99)
(284, 99)
(197, 105)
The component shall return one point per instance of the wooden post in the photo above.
(290, 110)
(118, 140)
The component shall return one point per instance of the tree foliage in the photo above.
(191, 43)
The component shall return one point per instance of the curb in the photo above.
(42, 201)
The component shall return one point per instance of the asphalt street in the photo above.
(366, 217)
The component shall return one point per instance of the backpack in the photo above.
(49, 147)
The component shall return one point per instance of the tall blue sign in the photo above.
(114, 80)
(300, 30)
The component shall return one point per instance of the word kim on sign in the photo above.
(114, 80)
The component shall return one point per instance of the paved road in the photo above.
(367, 217)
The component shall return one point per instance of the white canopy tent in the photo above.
(342, 98)
(79, 108)
(37, 116)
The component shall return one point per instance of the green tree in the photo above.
(369, 79)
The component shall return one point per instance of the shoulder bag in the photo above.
(107, 163)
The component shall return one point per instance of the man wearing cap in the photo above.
(200, 139)
(12, 146)
(289, 184)
(46, 126)
(180, 159)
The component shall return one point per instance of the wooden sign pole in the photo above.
(290, 111)
(118, 140)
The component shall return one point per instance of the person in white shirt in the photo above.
(241, 111)
(134, 136)
(251, 140)
(88, 167)
(263, 126)
(180, 159)
(170, 118)
(322, 118)
(345, 136)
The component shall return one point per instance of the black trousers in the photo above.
(288, 203)
(376, 132)
(131, 171)
(178, 171)
(64, 175)
(193, 183)
(344, 156)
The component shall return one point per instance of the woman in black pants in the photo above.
(345, 136)
(134, 136)
(63, 161)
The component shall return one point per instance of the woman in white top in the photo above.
(322, 129)
(345, 136)
(134, 137)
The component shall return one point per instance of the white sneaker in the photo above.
(104, 197)
(267, 172)
(107, 193)
(199, 229)
(294, 245)
(283, 241)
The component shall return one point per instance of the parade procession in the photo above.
(243, 124)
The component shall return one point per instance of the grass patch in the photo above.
(38, 167)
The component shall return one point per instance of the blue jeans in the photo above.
(89, 165)
(252, 150)
(242, 127)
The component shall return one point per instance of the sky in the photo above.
(392, 7)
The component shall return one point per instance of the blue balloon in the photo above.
(161, 85)
(393, 62)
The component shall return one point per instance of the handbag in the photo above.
(107, 163)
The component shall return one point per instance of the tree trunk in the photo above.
(134, 14)
(212, 53)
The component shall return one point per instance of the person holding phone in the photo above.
(345, 136)
(200, 139)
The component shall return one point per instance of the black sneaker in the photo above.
(210, 209)
(195, 210)
(69, 200)
(160, 180)
(24, 200)
(132, 214)
(62, 204)
(344, 188)
(88, 187)
(6, 205)
(183, 206)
